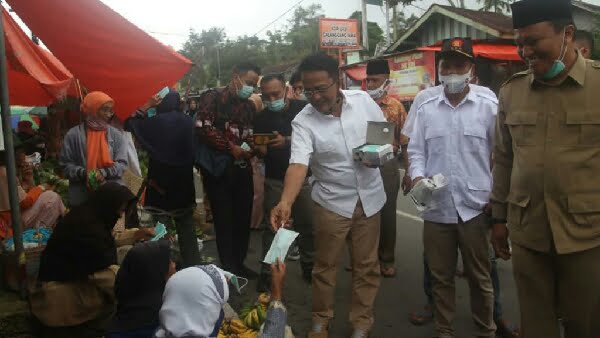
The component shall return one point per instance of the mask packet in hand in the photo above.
(160, 231)
(280, 246)
(422, 193)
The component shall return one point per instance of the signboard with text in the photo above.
(339, 33)
(410, 73)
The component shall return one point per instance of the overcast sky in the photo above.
(170, 21)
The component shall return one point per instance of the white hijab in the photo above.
(192, 302)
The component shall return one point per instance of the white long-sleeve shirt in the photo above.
(456, 142)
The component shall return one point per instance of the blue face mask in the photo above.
(276, 106)
(558, 66)
(245, 91)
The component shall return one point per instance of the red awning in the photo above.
(487, 50)
(35, 76)
(103, 50)
(358, 73)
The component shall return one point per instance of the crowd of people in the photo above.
(520, 161)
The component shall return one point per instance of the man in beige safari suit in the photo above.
(546, 185)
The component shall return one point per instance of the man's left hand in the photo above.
(278, 142)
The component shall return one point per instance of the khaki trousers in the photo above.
(332, 231)
(387, 233)
(551, 285)
(441, 242)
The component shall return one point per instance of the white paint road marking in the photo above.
(410, 216)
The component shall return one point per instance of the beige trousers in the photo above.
(551, 285)
(442, 242)
(332, 231)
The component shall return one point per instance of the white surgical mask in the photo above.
(280, 246)
(378, 93)
(455, 83)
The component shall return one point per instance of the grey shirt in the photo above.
(73, 161)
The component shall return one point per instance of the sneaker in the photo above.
(294, 252)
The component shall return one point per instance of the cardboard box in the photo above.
(378, 150)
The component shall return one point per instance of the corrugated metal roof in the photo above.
(496, 21)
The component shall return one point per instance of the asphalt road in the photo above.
(397, 296)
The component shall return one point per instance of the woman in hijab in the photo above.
(75, 296)
(139, 288)
(193, 304)
(168, 138)
(93, 147)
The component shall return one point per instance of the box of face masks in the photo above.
(378, 150)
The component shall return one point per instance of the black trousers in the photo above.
(231, 197)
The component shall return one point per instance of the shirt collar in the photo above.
(577, 73)
(471, 96)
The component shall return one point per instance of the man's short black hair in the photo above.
(296, 77)
(560, 24)
(246, 67)
(271, 77)
(584, 37)
(321, 62)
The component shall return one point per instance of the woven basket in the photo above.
(132, 181)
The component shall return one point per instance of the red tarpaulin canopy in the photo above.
(35, 76)
(103, 50)
(487, 50)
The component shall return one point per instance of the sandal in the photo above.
(420, 319)
(388, 272)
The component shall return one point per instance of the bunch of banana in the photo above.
(236, 329)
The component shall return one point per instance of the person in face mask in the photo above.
(378, 81)
(545, 189)
(223, 151)
(276, 119)
(452, 135)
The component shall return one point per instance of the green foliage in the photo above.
(498, 6)
(299, 38)
(375, 32)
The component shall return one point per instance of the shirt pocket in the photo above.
(478, 193)
(585, 209)
(435, 139)
(475, 138)
(326, 152)
(588, 123)
(517, 203)
(523, 126)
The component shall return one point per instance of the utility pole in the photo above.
(365, 31)
(218, 68)
(395, 22)
(387, 23)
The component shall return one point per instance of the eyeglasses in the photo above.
(320, 91)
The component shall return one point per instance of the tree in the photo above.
(457, 3)
(375, 32)
(498, 6)
(404, 23)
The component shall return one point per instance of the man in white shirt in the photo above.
(453, 136)
(348, 196)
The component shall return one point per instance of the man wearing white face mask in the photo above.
(378, 81)
(453, 136)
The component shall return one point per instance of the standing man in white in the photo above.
(348, 196)
(453, 136)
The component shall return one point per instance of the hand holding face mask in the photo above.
(280, 246)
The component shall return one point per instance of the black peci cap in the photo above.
(462, 46)
(529, 12)
(377, 67)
